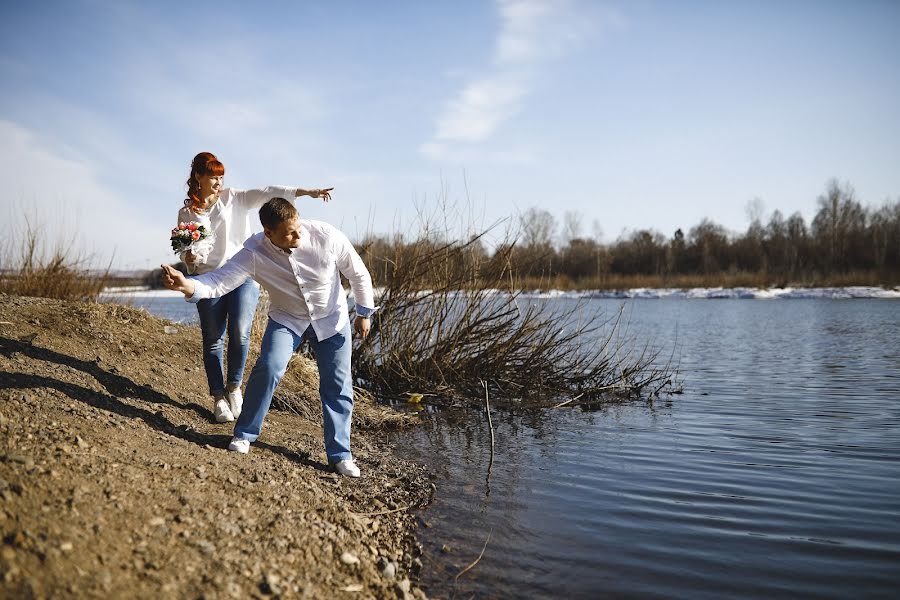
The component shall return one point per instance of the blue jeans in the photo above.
(234, 311)
(335, 385)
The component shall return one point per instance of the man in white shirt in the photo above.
(299, 263)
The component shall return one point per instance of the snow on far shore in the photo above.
(727, 293)
(636, 293)
(137, 291)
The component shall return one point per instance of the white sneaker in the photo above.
(347, 468)
(222, 412)
(239, 445)
(235, 402)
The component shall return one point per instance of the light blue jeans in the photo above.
(335, 385)
(232, 312)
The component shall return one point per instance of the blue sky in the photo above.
(631, 114)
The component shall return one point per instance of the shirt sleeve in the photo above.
(354, 269)
(249, 200)
(229, 276)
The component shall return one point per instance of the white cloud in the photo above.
(520, 39)
(481, 107)
(532, 32)
(473, 153)
(256, 102)
(65, 198)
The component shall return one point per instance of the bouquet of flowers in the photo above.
(192, 236)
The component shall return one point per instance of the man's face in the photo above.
(287, 235)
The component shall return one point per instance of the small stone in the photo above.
(11, 574)
(170, 330)
(18, 458)
(348, 558)
(66, 547)
(157, 521)
(105, 579)
(271, 585)
(80, 441)
(403, 586)
(206, 547)
(353, 587)
(446, 549)
(389, 571)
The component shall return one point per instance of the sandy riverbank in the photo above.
(116, 483)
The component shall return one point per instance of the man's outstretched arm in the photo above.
(215, 283)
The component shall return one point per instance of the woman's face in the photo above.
(209, 184)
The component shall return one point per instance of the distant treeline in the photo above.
(845, 244)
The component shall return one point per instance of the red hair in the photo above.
(204, 164)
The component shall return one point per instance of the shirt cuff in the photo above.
(197, 297)
(364, 311)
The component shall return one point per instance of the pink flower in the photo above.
(195, 235)
(182, 226)
(192, 226)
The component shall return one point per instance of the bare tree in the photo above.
(597, 230)
(754, 209)
(571, 230)
(538, 227)
(839, 217)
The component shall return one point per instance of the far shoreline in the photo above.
(111, 293)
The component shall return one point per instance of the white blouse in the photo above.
(229, 221)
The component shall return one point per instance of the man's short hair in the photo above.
(276, 211)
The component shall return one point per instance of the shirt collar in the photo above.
(273, 248)
(304, 240)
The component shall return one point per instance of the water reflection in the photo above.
(776, 473)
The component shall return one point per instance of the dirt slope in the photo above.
(115, 482)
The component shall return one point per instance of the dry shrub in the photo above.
(442, 330)
(61, 273)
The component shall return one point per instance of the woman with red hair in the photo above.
(225, 212)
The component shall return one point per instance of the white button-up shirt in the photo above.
(229, 220)
(304, 284)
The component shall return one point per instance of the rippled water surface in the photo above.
(776, 473)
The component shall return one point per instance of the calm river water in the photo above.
(775, 474)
